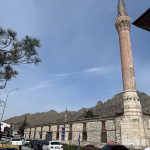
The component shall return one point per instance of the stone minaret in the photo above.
(131, 100)
(66, 115)
(132, 127)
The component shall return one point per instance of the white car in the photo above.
(16, 141)
(53, 145)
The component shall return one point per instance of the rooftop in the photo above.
(143, 21)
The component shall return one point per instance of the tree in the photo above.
(14, 52)
(8, 131)
(22, 126)
(89, 114)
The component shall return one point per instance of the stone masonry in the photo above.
(90, 131)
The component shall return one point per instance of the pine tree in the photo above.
(14, 52)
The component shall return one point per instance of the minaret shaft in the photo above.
(128, 76)
(123, 28)
(130, 97)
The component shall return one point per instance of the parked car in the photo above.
(114, 147)
(26, 142)
(31, 143)
(3, 138)
(52, 145)
(39, 144)
(147, 148)
(17, 141)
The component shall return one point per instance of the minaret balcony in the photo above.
(123, 23)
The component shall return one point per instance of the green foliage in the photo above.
(15, 52)
(75, 147)
(22, 126)
(71, 147)
(89, 114)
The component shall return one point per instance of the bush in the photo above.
(89, 147)
(75, 147)
(71, 147)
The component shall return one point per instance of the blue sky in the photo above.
(79, 52)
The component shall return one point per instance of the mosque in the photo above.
(132, 127)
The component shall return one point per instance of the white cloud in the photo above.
(100, 70)
(62, 74)
(94, 69)
(43, 84)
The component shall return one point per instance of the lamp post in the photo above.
(6, 102)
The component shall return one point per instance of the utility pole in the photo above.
(6, 102)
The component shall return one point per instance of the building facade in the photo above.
(131, 128)
(95, 131)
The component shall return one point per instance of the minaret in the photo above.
(131, 100)
(66, 115)
(131, 123)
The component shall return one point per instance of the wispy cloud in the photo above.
(63, 74)
(43, 84)
(93, 70)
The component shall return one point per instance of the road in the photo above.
(26, 148)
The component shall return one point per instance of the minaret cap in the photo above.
(121, 8)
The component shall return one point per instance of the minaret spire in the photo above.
(121, 8)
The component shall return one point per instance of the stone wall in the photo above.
(91, 131)
(147, 129)
(33, 130)
(88, 131)
(38, 134)
(44, 131)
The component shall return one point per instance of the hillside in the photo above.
(102, 109)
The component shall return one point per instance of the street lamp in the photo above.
(6, 102)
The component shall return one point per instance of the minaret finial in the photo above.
(121, 8)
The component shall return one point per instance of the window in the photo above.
(49, 127)
(63, 134)
(16, 140)
(104, 136)
(84, 132)
(55, 143)
(84, 136)
(40, 134)
(57, 135)
(70, 133)
(49, 136)
(30, 134)
(103, 125)
(34, 133)
(84, 126)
